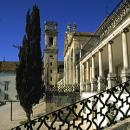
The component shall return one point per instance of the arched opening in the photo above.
(50, 41)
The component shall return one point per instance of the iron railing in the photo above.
(96, 112)
(63, 88)
(54, 93)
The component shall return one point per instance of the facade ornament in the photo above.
(125, 30)
(115, 18)
(111, 42)
(74, 27)
(69, 28)
(101, 50)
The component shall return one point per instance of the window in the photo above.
(6, 96)
(60, 68)
(50, 63)
(50, 41)
(51, 56)
(51, 78)
(50, 71)
(6, 85)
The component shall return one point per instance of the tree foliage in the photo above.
(29, 70)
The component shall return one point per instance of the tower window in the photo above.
(51, 78)
(50, 63)
(50, 41)
(51, 56)
(50, 71)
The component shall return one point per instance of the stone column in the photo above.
(64, 71)
(111, 75)
(100, 78)
(76, 77)
(88, 84)
(100, 63)
(74, 69)
(93, 67)
(87, 71)
(84, 77)
(81, 76)
(125, 74)
(71, 80)
(70, 68)
(90, 76)
(93, 81)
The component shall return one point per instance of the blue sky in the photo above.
(87, 14)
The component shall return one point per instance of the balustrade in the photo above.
(96, 112)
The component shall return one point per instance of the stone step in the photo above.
(121, 125)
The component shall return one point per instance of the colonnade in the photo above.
(96, 84)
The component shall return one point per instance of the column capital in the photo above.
(110, 42)
(101, 50)
(125, 30)
(87, 60)
(93, 55)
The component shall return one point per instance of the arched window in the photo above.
(50, 41)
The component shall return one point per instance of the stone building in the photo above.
(7, 81)
(99, 60)
(73, 44)
(104, 61)
(53, 69)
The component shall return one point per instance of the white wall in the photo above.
(11, 87)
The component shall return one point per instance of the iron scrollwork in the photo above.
(96, 112)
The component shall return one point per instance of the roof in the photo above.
(7, 66)
(84, 33)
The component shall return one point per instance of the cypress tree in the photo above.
(29, 70)
(36, 52)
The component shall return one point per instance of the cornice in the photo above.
(110, 24)
(118, 14)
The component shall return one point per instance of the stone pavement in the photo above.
(18, 114)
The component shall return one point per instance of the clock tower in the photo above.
(50, 53)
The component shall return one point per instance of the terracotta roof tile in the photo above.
(8, 66)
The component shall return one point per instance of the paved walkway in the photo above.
(18, 114)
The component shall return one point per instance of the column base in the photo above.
(111, 80)
(94, 85)
(125, 75)
(88, 86)
(83, 87)
(101, 84)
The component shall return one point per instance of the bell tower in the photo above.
(50, 53)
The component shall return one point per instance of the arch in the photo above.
(50, 41)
